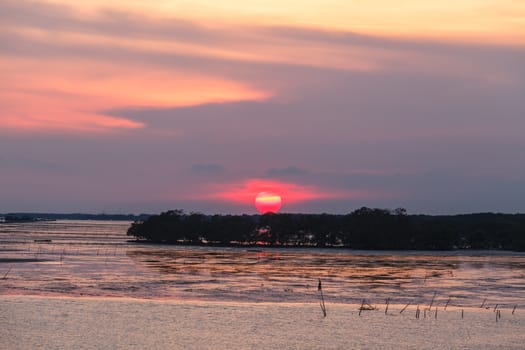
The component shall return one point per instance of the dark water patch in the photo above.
(59, 287)
(2, 249)
(21, 260)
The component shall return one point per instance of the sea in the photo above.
(87, 285)
(97, 258)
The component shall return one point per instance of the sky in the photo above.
(128, 106)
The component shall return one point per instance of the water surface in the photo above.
(94, 258)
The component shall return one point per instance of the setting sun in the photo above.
(268, 202)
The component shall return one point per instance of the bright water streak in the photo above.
(94, 258)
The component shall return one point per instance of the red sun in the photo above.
(268, 202)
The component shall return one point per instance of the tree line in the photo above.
(364, 228)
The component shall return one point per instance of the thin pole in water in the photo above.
(10, 267)
(448, 301)
(320, 289)
(403, 309)
(432, 302)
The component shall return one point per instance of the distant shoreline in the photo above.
(30, 217)
(261, 247)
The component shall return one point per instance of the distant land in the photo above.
(28, 217)
(364, 228)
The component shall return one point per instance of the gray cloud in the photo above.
(24, 163)
(207, 168)
(106, 22)
(285, 172)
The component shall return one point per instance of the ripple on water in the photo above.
(94, 258)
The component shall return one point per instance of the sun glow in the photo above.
(268, 202)
(247, 193)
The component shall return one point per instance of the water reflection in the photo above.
(94, 258)
(349, 276)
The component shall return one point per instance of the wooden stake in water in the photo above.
(417, 312)
(7, 273)
(387, 302)
(432, 302)
(461, 313)
(403, 309)
(320, 289)
(448, 301)
(514, 309)
(483, 303)
(362, 307)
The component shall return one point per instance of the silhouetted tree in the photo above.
(364, 228)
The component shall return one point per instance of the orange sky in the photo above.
(497, 20)
(95, 83)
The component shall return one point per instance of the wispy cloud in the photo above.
(207, 168)
(285, 172)
(108, 60)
